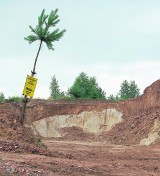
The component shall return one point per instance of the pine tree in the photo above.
(54, 88)
(41, 32)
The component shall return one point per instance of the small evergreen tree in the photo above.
(134, 90)
(86, 87)
(2, 97)
(128, 90)
(42, 32)
(54, 88)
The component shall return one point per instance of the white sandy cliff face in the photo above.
(153, 135)
(90, 121)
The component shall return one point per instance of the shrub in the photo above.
(15, 98)
(2, 97)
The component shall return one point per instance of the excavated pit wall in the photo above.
(153, 135)
(50, 111)
(90, 121)
(38, 109)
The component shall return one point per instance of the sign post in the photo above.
(30, 86)
(28, 91)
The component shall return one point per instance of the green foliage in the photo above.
(16, 98)
(113, 98)
(86, 87)
(129, 90)
(41, 31)
(54, 88)
(55, 92)
(2, 97)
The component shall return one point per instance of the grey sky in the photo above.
(110, 39)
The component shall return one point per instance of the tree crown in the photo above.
(129, 90)
(54, 88)
(41, 31)
(86, 87)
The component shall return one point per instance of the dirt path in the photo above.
(86, 159)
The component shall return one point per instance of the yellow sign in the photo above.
(30, 86)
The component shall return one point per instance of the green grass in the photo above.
(15, 98)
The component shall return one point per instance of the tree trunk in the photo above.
(34, 67)
(25, 99)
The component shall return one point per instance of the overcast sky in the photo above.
(112, 40)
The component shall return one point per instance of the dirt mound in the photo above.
(77, 133)
(17, 147)
(10, 127)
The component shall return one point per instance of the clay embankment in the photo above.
(135, 121)
(10, 127)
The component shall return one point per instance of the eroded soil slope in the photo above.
(10, 128)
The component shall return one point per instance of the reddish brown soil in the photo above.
(139, 115)
(84, 159)
(133, 129)
(10, 127)
(114, 153)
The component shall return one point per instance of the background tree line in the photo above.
(85, 87)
